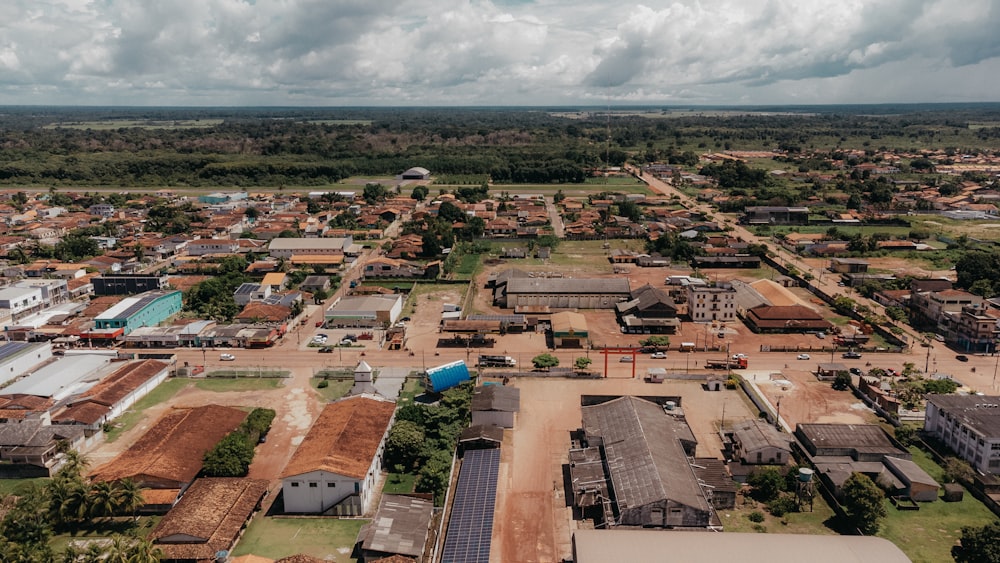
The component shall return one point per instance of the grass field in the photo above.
(250, 373)
(10, 486)
(335, 389)
(163, 392)
(137, 124)
(819, 521)
(222, 385)
(422, 289)
(411, 388)
(399, 483)
(323, 538)
(102, 529)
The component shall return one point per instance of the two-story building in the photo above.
(969, 425)
(930, 308)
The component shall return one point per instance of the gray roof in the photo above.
(400, 526)
(34, 433)
(308, 243)
(570, 286)
(489, 432)
(645, 455)
(64, 377)
(866, 438)
(755, 434)
(979, 412)
(909, 471)
(496, 398)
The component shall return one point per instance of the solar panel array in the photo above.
(470, 529)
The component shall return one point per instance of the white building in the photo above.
(969, 425)
(54, 291)
(202, 247)
(707, 304)
(289, 247)
(20, 300)
(340, 459)
(16, 358)
(366, 311)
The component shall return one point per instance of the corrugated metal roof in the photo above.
(448, 375)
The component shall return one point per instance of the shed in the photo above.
(446, 376)
(953, 492)
(400, 527)
(569, 330)
(478, 437)
(917, 484)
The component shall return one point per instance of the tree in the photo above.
(658, 340)
(231, 457)
(766, 484)
(403, 445)
(419, 193)
(103, 499)
(863, 503)
(545, 361)
(842, 381)
(978, 544)
(374, 193)
(582, 363)
(906, 434)
(957, 471)
(128, 497)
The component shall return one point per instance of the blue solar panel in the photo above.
(470, 529)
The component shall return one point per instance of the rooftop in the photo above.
(400, 526)
(979, 412)
(496, 398)
(568, 285)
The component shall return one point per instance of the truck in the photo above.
(724, 363)
(496, 361)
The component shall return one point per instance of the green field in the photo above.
(324, 538)
(819, 521)
(163, 392)
(222, 385)
(10, 486)
(137, 124)
(335, 389)
(399, 483)
(104, 528)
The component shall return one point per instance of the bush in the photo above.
(783, 505)
(756, 516)
(323, 384)
(766, 484)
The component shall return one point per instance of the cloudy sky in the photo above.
(500, 52)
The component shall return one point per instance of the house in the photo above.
(401, 526)
(209, 519)
(969, 425)
(569, 330)
(650, 310)
(757, 442)
(775, 216)
(396, 268)
(315, 284)
(784, 319)
(848, 265)
(495, 405)
(290, 248)
(335, 468)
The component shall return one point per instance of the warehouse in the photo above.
(149, 309)
(562, 293)
(365, 311)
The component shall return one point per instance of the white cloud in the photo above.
(331, 52)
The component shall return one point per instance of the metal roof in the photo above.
(979, 412)
(400, 526)
(470, 529)
(572, 286)
(448, 375)
(64, 377)
(496, 398)
(132, 305)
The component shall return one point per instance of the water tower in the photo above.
(804, 487)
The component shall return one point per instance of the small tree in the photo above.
(582, 363)
(957, 471)
(842, 381)
(402, 447)
(545, 361)
(906, 434)
(863, 503)
(766, 484)
(657, 340)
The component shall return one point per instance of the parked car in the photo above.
(855, 371)
(852, 355)
(658, 355)
(326, 350)
(802, 357)
(227, 357)
(962, 358)
(625, 359)
(821, 335)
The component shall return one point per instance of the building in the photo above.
(314, 284)
(393, 268)
(170, 454)
(839, 450)
(561, 293)
(212, 246)
(16, 358)
(112, 396)
(930, 308)
(444, 377)
(335, 468)
(649, 475)
(650, 310)
(365, 311)
(848, 265)
(54, 291)
(208, 520)
(20, 302)
(495, 405)
(789, 318)
(907, 480)
(401, 526)
(734, 262)
(775, 216)
(289, 248)
(569, 330)
(973, 330)
(148, 309)
(757, 442)
(416, 173)
(711, 303)
(600, 546)
(969, 425)
(128, 284)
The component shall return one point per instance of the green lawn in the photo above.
(335, 389)
(927, 535)
(325, 538)
(10, 486)
(411, 388)
(224, 384)
(816, 522)
(101, 529)
(163, 392)
(249, 373)
(396, 483)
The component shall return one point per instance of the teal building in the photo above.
(146, 309)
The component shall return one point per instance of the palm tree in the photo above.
(128, 497)
(143, 551)
(74, 464)
(102, 497)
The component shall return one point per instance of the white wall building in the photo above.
(288, 247)
(212, 246)
(20, 300)
(707, 304)
(16, 358)
(969, 425)
(340, 457)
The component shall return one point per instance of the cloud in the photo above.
(477, 52)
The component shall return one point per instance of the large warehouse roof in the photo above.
(572, 286)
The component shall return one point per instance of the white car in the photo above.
(658, 355)
(802, 357)
(227, 357)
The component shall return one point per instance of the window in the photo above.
(995, 446)
(313, 485)
(295, 483)
(331, 485)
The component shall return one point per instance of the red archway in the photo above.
(620, 351)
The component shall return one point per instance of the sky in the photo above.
(500, 52)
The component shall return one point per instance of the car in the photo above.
(227, 357)
(326, 350)
(855, 371)
(841, 284)
(321, 335)
(852, 355)
(405, 319)
(625, 359)
(346, 342)
(821, 335)
(658, 355)
(962, 358)
(802, 357)
(891, 372)
(319, 339)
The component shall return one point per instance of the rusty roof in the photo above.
(344, 439)
(209, 517)
(97, 402)
(173, 448)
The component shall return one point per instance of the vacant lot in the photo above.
(807, 399)
(532, 521)
(323, 538)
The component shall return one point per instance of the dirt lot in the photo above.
(807, 399)
(532, 521)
